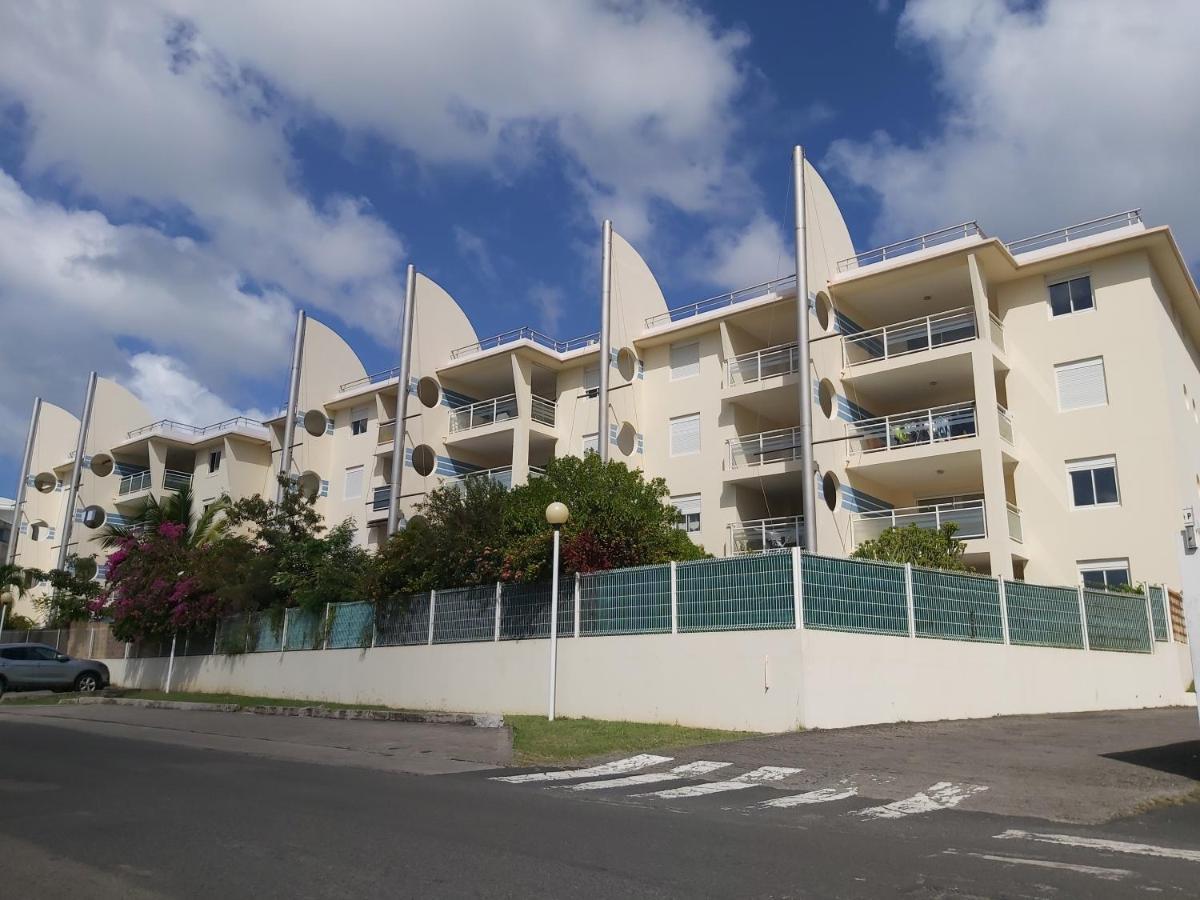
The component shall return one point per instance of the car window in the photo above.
(44, 653)
(13, 653)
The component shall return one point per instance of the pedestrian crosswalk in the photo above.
(629, 777)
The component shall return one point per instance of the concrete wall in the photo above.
(765, 680)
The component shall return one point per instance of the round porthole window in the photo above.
(824, 309)
(429, 392)
(827, 397)
(315, 422)
(831, 489)
(627, 363)
(423, 460)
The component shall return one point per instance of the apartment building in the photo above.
(1041, 394)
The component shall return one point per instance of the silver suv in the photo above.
(34, 667)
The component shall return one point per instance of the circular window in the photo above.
(626, 439)
(825, 317)
(627, 363)
(101, 465)
(827, 397)
(309, 484)
(831, 489)
(423, 459)
(315, 422)
(44, 482)
(85, 568)
(429, 392)
(93, 516)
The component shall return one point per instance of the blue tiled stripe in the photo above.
(445, 465)
(860, 501)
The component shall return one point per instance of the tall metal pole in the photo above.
(26, 462)
(410, 303)
(605, 341)
(554, 626)
(76, 472)
(807, 465)
(289, 426)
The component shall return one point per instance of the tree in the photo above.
(15, 581)
(72, 596)
(932, 548)
(177, 508)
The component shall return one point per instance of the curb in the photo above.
(477, 720)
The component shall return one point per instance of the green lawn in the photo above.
(538, 740)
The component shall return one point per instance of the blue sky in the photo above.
(177, 177)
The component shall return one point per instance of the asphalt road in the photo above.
(104, 809)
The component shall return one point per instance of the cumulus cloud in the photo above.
(474, 248)
(165, 385)
(738, 258)
(548, 301)
(1053, 113)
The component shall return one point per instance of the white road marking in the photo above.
(749, 780)
(824, 795)
(943, 795)
(691, 770)
(1097, 871)
(1072, 840)
(616, 767)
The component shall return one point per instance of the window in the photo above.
(685, 435)
(591, 379)
(42, 654)
(214, 461)
(354, 483)
(1071, 296)
(358, 419)
(685, 360)
(1094, 482)
(1081, 384)
(1104, 573)
(591, 443)
(689, 507)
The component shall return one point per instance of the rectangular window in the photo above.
(591, 443)
(1081, 384)
(685, 360)
(354, 483)
(689, 507)
(591, 379)
(1104, 573)
(1094, 481)
(685, 435)
(358, 419)
(214, 461)
(1074, 295)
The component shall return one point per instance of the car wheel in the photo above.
(87, 683)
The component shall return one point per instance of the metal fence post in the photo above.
(674, 598)
(908, 596)
(432, 606)
(1083, 627)
(283, 635)
(171, 662)
(499, 594)
(1003, 609)
(1166, 599)
(91, 641)
(216, 637)
(127, 648)
(328, 623)
(798, 587)
(578, 603)
(1149, 616)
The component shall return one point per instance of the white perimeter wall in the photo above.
(748, 680)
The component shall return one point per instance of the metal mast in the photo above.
(26, 461)
(289, 426)
(807, 465)
(410, 302)
(605, 340)
(76, 472)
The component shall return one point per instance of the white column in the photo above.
(1166, 600)
(798, 587)
(1003, 609)
(674, 598)
(908, 595)
(171, 663)
(578, 603)
(432, 608)
(1149, 616)
(1087, 644)
(283, 633)
(499, 594)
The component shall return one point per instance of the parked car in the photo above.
(34, 667)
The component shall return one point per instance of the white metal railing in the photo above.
(542, 410)
(499, 474)
(526, 333)
(911, 336)
(173, 479)
(386, 432)
(780, 445)
(758, 535)
(198, 431)
(485, 412)
(778, 286)
(380, 497)
(1075, 232)
(137, 481)
(996, 330)
(373, 378)
(968, 516)
(1014, 523)
(913, 429)
(748, 368)
(1006, 425)
(912, 245)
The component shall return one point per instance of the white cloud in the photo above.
(738, 258)
(166, 387)
(548, 301)
(474, 248)
(1053, 114)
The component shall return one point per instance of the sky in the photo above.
(178, 177)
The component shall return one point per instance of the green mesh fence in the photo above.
(1158, 613)
(350, 625)
(625, 601)
(465, 614)
(1043, 616)
(737, 592)
(854, 595)
(402, 621)
(957, 606)
(525, 610)
(304, 630)
(1117, 622)
(197, 642)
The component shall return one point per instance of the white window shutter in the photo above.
(685, 435)
(591, 378)
(687, 504)
(591, 443)
(354, 481)
(685, 360)
(1081, 384)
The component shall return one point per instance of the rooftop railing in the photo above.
(526, 333)
(373, 378)
(912, 245)
(748, 368)
(780, 445)
(918, 428)
(911, 336)
(778, 286)
(968, 515)
(1075, 232)
(197, 431)
(759, 535)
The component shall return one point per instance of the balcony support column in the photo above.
(157, 451)
(522, 371)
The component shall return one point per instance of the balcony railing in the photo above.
(996, 330)
(197, 431)
(781, 445)
(542, 410)
(174, 480)
(131, 484)
(373, 378)
(501, 475)
(526, 334)
(778, 287)
(498, 409)
(1075, 232)
(913, 429)
(758, 535)
(1006, 425)
(386, 432)
(1014, 523)
(967, 515)
(912, 245)
(751, 367)
(912, 336)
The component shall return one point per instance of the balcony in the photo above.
(920, 428)
(502, 475)
(134, 483)
(1006, 425)
(912, 245)
(750, 368)
(968, 516)
(781, 445)
(191, 434)
(759, 535)
(913, 336)
(174, 480)
(767, 289)
(1014, 523)
(498, 409)
(1075, 232)
(531, 335)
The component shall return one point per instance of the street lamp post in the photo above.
(556, 514)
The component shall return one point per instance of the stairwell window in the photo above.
(358, 419)
(1081, 384)
(689, 508)
(1071, 296)
(1104, 574)
(214, 461)
(1093, 482)
(354, 483)
(685, 435)
(685, 360)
